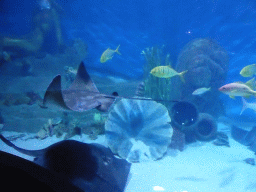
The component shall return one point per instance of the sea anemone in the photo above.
(138, 130)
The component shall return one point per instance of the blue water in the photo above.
(136, 25)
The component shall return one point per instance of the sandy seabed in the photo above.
(201, 167)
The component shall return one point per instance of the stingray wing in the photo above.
(91, 167)
(15, 169)
(81, 96)
(111, 169)
(53, 94)
(83, 81)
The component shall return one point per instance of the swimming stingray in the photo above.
(82, 95)
(80, 166)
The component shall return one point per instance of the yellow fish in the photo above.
(108, 54)
(248, 71)
(167, 72)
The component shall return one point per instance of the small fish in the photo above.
(247, 105)
(201, 91)
(167, 72)
(248, 71)
(238, 89)
(108, 54)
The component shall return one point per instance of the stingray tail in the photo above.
(33, 153)
(107, 102)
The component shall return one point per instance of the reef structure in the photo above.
(138, 130)
(191, 125)
(207, 64)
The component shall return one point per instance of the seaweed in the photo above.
(156, 88)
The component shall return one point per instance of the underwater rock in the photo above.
(42, 134)
(244, 137)
(250, 161)
(75, 131)
(178, 140)
(34, 97)
(206, 128)
(94, 126)
(49, 128)
(138, 130)
(221, 140)
(207, 64)
(28, 98)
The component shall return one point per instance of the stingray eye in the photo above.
(106, 160)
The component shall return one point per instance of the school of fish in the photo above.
(243, 89)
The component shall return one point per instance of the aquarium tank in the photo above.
(128, 96)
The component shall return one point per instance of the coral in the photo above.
(42, 134)
(207, 64)
(11, 99)
(138, 130)
(75, 131)
(206, 127)
(49, 128)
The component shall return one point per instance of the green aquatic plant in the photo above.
(156, 88)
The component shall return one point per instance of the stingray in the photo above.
(80, 166)
(82, 95)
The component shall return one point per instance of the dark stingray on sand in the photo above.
(69, 166)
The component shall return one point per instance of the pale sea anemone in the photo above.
(138, 130)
